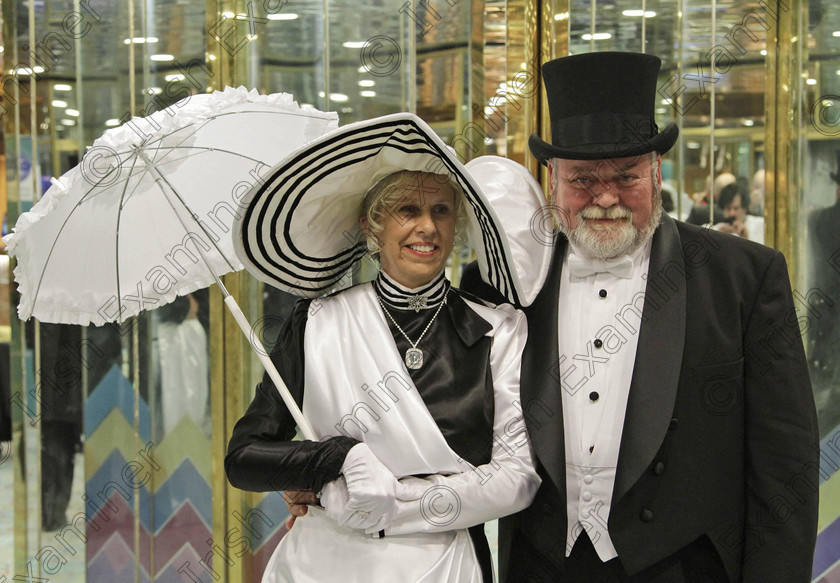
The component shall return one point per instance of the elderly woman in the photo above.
(411, 386)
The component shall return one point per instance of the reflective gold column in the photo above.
(10, 102)
(229, 355)
(552, 43)
(782, 150)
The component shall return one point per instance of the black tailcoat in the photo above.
(719, 450)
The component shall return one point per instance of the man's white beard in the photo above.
(598, 242)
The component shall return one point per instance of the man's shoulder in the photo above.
(723, 246)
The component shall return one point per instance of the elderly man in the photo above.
(664, 383)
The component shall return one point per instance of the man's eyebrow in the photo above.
(628, 165)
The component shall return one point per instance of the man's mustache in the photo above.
(613, 212)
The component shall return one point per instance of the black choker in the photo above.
(399, 297)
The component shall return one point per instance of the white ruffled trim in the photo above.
(84, 318)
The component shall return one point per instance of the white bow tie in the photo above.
(583, 267)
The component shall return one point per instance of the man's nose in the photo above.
(606, 196)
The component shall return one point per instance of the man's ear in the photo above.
(659, 170)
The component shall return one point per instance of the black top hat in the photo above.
(601, 106)
(835, 176)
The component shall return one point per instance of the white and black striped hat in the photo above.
(300, 227)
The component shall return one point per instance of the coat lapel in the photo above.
(659, 355)
(540, 390)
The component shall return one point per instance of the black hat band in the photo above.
(615, 132)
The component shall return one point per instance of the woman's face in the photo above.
(418, 231)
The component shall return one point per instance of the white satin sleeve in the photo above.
(503, 486)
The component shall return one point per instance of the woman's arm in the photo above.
(503, 486)
(261, 454)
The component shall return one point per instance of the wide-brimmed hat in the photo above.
(835, 176)
(299, 229)
(601, 106)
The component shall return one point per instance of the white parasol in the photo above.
(147, 214)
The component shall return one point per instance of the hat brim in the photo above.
(300, 228)
(661, 142)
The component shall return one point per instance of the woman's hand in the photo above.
(365, 497)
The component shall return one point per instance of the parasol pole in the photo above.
(305, 429)
(256, 344)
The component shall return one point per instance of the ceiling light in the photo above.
(228, 14)
(749, 122)
(59, 103)
(763, 52)
(693, 145)
(597, 36)
(366, 83)
(338, 97)
(68, 122)
(113, 122)
(561, 16)
(497, 100)
(62, 87)
(645, 13)
(72, 112)
(283, 16)
(835, 33)
(354, 44)
(811, 81)
(174, 77)
(367, 93)
(154, 91)
(2, 48)
(139, 40)
(162, 57)
(27, 70)
(363, 69)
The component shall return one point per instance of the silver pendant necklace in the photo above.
(413, 356)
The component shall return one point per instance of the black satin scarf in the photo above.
(455, 380)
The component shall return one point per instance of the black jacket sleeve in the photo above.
(261, 454)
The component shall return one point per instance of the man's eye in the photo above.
(408, 209)
(441, 209)
(580, 180)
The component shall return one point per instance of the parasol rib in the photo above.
(305, 428)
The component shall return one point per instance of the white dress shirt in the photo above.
(598, 328)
